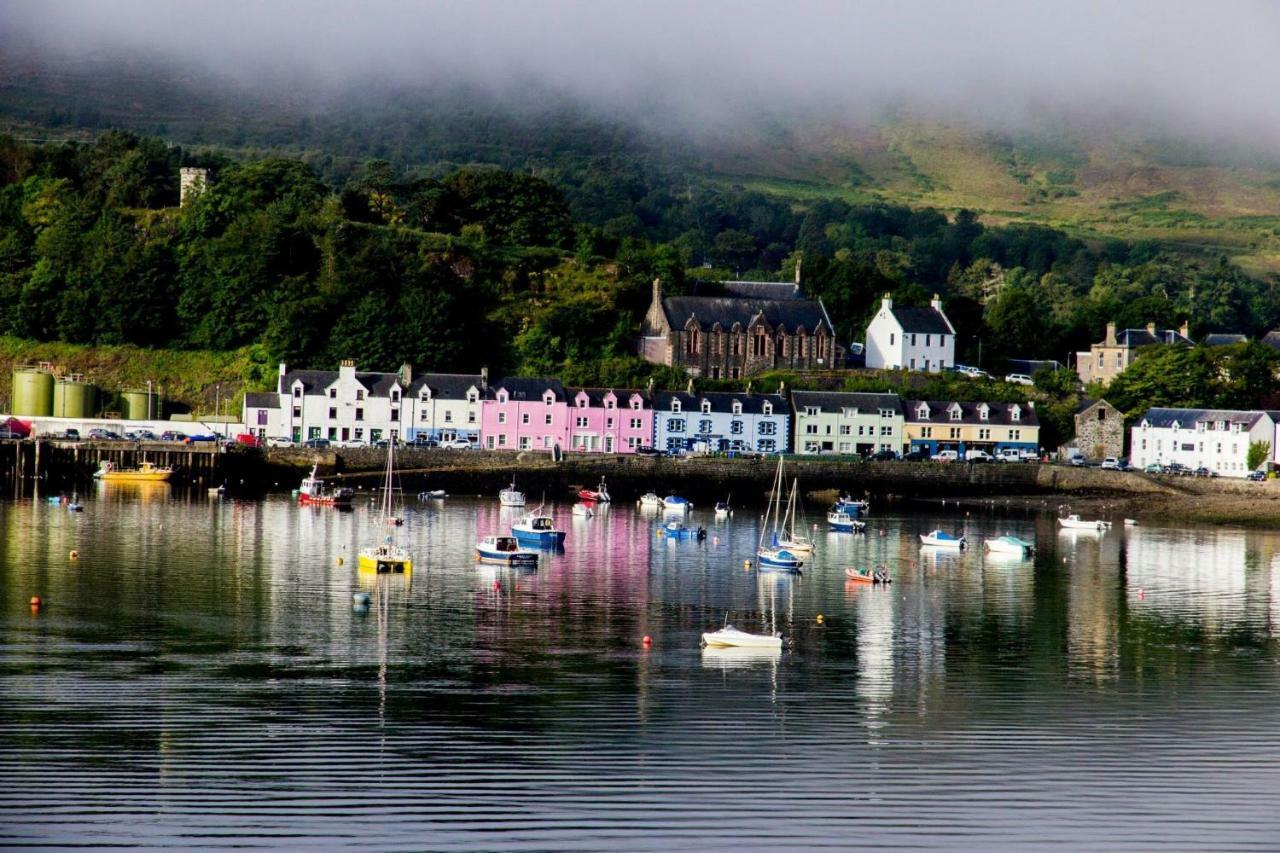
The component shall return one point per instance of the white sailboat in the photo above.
(790, 539)
(387, 557)
(775, 555)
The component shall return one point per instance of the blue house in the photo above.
(720, 421)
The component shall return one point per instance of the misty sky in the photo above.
(1196, 66)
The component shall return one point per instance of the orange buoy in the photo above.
(36, 601)
(648, 641)
(820, 620)
(74, 555)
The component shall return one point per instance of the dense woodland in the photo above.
(549, 273)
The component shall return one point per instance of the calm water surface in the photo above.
(199, 677)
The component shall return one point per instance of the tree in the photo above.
(1259, 452)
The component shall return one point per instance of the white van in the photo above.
(945, 456)
(1008, 454)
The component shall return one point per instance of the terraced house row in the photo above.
(540, 414)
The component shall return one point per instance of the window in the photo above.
(471, 417)
(636, 423)
(471, 396)
(424, 399)
(582, 402)
(635, 403)
(737, 407)
(549, 399)
(395, 396)
(502, 440)
(984, 413)
(913, 364)
(811, 411)
(767, 428)
(1015, 414)
(922, 413)
(704, 427)
(673, 444)
(359, 414)
(891, 339)
(297, 391)
(395, 414)
(359, 394)
(581, 423)
(359, 435)
(525, 442)
(1119, 360)
(845, 429)
(767, 409)
(955, 414)
(422, 415)
(448, 416)
(984, 435)
(733, 373)
(675, 406)
(1102, 414)
(502, 417)
(766, 445)
(926, 432)
(262, 417)
(333, 433)
(297, 411)
(1016, 435)
(675, 424)
(333, 393)
(706, 407)
(524, 418)
(503, 397)
(1101, 356)
(884, 430)
(955, 432)
(608, 423)
(913, 339)
(633, 442)
(333, 413)
(810, 429)
(926, 340)
(735, 427)
(547, 419)
(611, 403)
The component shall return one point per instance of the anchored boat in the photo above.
(387, 557)
(1075, 522)
(676, 530)
(144, 473)
(675, 503)
(599, 494)
(511, 496)
(731, 636)
(1010, 545)
(313, 491)
(650, 499)
(506, 551)
(775, 555)
(538, 530)
(841, 522)
(943, 539)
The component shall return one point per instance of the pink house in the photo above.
(524, 414)
(605, 420)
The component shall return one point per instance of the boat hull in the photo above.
(1005, 547)
(507, 558)
(846, 525)
(783, 561)
(950, 544)
(733, 638)
(325, 500)
(539, 538)
(136, 477)
(384, 564)
(1072, 524)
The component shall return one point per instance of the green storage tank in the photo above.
(74, 398)
(140, 404)
(33, 391)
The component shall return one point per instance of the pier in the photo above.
(72, 462)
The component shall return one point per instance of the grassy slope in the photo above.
(190, 378)
(1125, 189)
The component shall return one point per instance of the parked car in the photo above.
(1153, 468)
(381, 443)
(1110, 464)
(173, 435)
(280, 441)
(945, 456)
(99, 434)
(646, 450)
(423, 442)
(1019, 379)
(201, 436)
(1204, 472)
(1177, 468)
(916, 456)
(1122, 464)
(144, 435)
(884, 456)
(320, 443)
(1257, 476)
(72, 435)
(458, 444)
(1077, 460)
(978, 456)
(248, 439)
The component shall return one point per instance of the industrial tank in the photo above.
(32, 391)
(136, 406)
(74, 398)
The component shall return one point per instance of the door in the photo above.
(608, 444)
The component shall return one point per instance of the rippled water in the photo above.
(199, 677)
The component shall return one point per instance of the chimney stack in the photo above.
(936, 302)
(1185, 330)
(689, 387)
(799, 261)
(657, 291)
(406, 374)
(484, 379)
(1110, 340)
(1151, 328)
(887, 302)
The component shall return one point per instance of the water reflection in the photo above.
(206, 655)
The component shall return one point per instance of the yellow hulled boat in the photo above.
(144, 473)
(388, 559)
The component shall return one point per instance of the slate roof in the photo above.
(527, 388)
(262, 400)
(1272, 339)
(446, 386)
(763, 289)
(1188, 418)
(377, 384)
(999, 414)
(595, 396)
(790, 314)
(1141, 337)
(1087, 403)
(721, 401)
(921, 321)
(834, 401)
(1222, 339)
(1031, 365)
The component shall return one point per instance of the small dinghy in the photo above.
(876, 576)
(676, 530)
(504, 550)
(1011, 545)
(1131, 522)
(943, 539)
(599, 494)
(433, 495)
(75, 507)
(582, 511)
(731, 636)
(1075, 522)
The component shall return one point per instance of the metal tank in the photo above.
(136, 401)
(74, 398)
(32, 391)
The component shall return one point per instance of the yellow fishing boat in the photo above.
(387, 557)
(144, 473)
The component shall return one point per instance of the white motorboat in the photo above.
(1011, 545)
(675, 503)
(505, 550)
(731, 636)
(511, 496)
(943, 539)
(1075, 522)
(582, 511)
(433, 495)
(650, 499)
(723, 509)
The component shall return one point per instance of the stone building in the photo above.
(1116, 351)
(750, 327)
(191, 182)
(1099, 429)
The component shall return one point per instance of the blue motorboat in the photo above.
(842, 522)
(505, 550)
(676, 503)
(676, 530)
(852, 508)
(538, 531)
(779, 559)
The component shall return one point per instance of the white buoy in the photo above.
(361, 599)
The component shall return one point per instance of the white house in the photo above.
(1216, 439)
(350, 406)
(911, 338)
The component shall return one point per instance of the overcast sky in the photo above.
(1198, 66)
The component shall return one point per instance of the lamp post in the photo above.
(148, 403)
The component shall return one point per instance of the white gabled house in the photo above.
(911, 338)
(1216, 439)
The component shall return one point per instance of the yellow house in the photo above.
(934, 425)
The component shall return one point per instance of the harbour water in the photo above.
(199, 677)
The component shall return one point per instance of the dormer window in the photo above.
(582, 402)
(472, 396)
(922, 412)
(706, 406)
(767, 408)
(983, 412)
(955, 413)
(610, 403)
(1015, 413)
(635, 403)
(675, 405)
(737, 407)
(503, 397)
(395, 396)
(811, 411)
(425, 398)
(548, 398)
(297, 390)
(333, 393)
